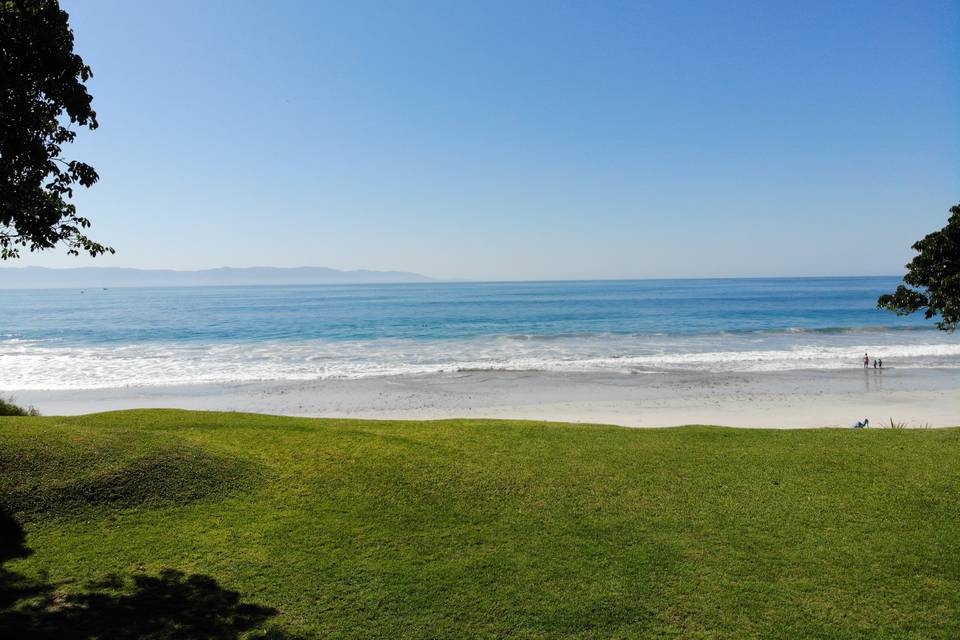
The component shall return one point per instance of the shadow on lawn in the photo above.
(170, 606)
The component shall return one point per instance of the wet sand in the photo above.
(793, 399)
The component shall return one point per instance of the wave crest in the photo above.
(26, 365)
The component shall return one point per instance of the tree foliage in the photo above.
(932, 282)
(42, 96)
(8, 408)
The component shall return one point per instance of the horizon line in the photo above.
(433, 280)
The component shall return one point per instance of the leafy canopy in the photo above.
(933, 277)
(42, 96)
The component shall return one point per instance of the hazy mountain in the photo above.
(90, 277)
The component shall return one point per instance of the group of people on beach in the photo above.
(877, 364)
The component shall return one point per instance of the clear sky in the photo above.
(521, 140)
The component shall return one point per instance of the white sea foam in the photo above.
(27, 365)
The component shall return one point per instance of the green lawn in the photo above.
(476, 529)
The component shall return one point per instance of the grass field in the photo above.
(182, 524)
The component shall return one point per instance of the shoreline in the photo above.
(784, 399)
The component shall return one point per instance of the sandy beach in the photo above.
(792, 399)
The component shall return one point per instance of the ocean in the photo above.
(101, 338)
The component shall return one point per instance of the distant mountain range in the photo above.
(91, 277)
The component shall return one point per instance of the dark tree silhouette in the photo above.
(12, 541)
(13, 586)
(42, 96)
(932, 282)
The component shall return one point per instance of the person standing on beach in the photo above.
(866, 361)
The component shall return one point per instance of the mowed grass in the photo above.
(503, 529)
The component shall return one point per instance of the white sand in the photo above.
(919, 397)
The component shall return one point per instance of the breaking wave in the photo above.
(26, 365)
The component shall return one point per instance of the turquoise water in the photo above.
(97, 338)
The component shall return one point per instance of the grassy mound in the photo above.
(63, 468)
(170, 475)
(452, 529)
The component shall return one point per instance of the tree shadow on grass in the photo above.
(169, 606)
(13, 586)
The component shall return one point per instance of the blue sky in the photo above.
(521, 140)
